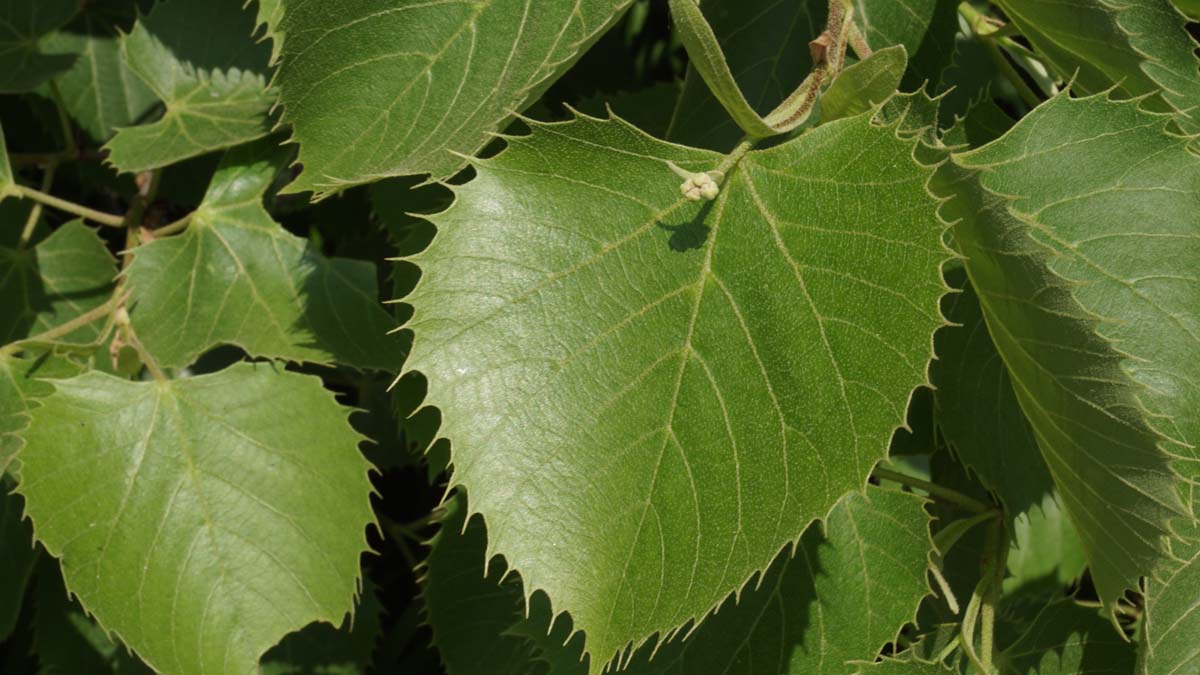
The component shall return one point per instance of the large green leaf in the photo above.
(24, 64)
(1137, 46)
(1079, 230)
(237, 277)
(63, 276)
(376, 88)
(200, 60)
(238, 499)
(709, 378)
(840, 596)
(1169, 641)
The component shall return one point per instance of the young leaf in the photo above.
(200, 519)
(1137, 46)
(64, 276)
(717, 372)
(199, 59)
(17, 556)
(235, 276)
(1051, 262)
(24, 64)
(1172, 622)
(865, 84)
(1045, 549)
(372, 89)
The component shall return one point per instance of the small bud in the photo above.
(698, 186)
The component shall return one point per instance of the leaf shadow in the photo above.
(27, 297)
(691, 235)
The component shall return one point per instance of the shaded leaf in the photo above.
(321, 649)
(865, 84)
(7, 182)
(235, 276)
(240, 499)
(713, 369)
(198, 58)
(65, 275)
(1055, 268)
(1067, 639)
(373, 89)
(21, 385)
(24, 62)
(17, 556)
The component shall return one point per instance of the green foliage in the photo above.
(670, 337)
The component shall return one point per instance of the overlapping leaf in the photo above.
(24, 64)
(22, 383)
(17, 556)
(200, 519)
(1168, 643)
(839, 597)
(373, 88)
(1090, 250)
(63, 276)
(200, 60)
(1067, 639)
(658, 395)
(235, 276)
(1137, 46)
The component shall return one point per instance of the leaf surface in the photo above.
(21, 385)
(239, 499)
(709, 378)
(1098, 340)
(198, 58)
(1137, 46)
(24, 64)
(235, 276)
(1067, 639)
(1172, 622)
(17, 556)
(375, 88)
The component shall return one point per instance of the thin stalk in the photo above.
(66, 328)
(739, 151)
(998, 537)
(174, 227)
(35, 213)
(70, 207)
(944, 493)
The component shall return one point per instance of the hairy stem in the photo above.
(935, 490)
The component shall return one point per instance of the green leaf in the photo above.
(372, 89)
(895, 22)
(1137, 46)
(713, 369)
(22, 383)
(24, 64)
(865, 84)
(321, 649)
(1172, 622)
(1084, 272)
(200, 60)
(65, 275)
(1067, 639)
(235, 276)
(238, 500)
(977, 411)
(99, 91)
(8, 185)
(17, 557)
(1045, 549)
(904, 665)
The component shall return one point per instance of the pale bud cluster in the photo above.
(700, 186)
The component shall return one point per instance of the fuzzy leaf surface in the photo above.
(238, 499)
(24, 64)
(236, 276)
(200, 60)
(1172, 623)
(376, 88)
(687, 386)
(1083, 269)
